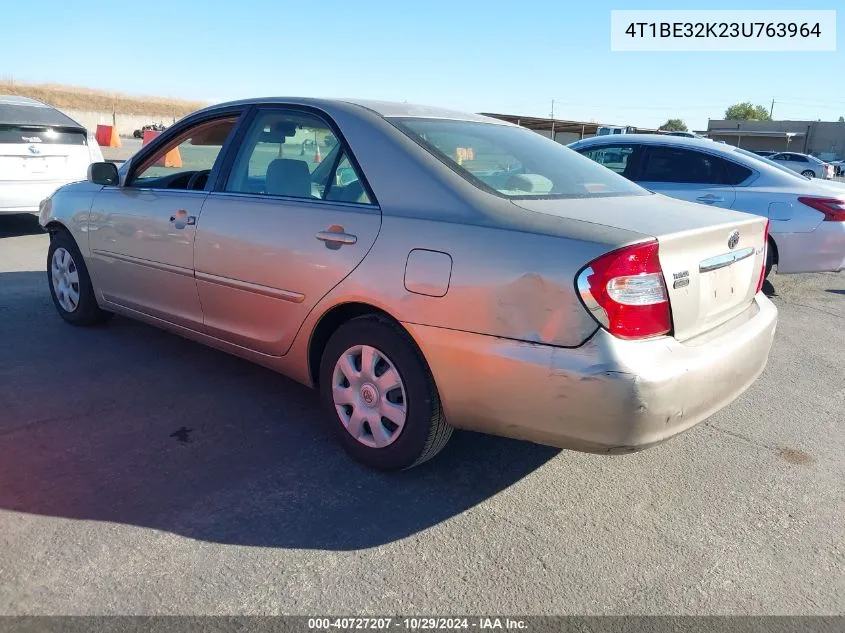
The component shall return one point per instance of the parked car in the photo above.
(765, 153)
(683, 134)
(807, 232)
(838, 167)
(435, 270)
(41, 149)
(804, 164)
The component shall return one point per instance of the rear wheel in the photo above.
(380, 396)
(70, 284)
(809, 173)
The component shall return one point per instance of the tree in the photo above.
(842, 119)
(747, 111)
(674, 125)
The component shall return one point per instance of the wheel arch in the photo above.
(773, 245)
(54, 225)
(336, 316)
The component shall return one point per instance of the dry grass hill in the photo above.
(77, 98)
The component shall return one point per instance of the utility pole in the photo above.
(553, 119)
(772, 109)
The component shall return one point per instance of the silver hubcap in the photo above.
(369, 396)
(65, 279)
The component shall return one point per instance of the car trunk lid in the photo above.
(711, 258)
(39, 153)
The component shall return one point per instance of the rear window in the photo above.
(26, 135)
(675, 164)
(514, 162)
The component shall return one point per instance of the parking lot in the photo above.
(142, 473)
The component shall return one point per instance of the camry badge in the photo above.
(733, 240)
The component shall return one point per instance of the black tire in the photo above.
(809, 173)
(86, 312)
(770, 259)
(425, 431)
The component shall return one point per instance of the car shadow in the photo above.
(125, 423)
(18, 225)
(836, 291)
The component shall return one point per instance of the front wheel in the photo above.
(70, 284)
(809, 173)
(380, 396)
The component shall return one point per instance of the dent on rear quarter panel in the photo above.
(503, 283)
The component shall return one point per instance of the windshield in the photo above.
(515, 162)
(773, 163)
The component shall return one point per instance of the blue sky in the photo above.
(510, 57)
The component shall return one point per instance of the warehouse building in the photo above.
(825, 139)
(564, 131)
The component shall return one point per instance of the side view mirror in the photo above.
(103, 173)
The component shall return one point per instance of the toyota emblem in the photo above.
(733, 240)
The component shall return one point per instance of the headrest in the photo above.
(288, 177)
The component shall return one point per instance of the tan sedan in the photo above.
(426, 270)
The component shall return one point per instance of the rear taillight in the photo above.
(765, 257)
(833, 208)
(625, 292)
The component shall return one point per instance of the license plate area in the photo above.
(726, 287)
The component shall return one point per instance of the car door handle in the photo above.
(336, 237)
(710, 198)
(182, 217)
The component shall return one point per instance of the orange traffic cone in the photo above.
(317, 156)
(148, 136)
(107, 136)
(171, 159)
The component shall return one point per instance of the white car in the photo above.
(804, 164)
(807, 230)
(41, 149)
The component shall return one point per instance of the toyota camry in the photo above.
(424, 270)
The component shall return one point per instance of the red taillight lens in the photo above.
(625, 292)
(833, 208)
(765, 256)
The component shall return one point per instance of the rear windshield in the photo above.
(14, 134)
(515, 162)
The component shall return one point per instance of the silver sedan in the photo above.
(425, 270)
(807, 216)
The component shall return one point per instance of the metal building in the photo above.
(825, 139)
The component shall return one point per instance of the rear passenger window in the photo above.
(735, 173)
(675, 164)
(345, 185)
(295, 155)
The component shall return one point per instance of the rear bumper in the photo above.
(24, 197)
(608, 395)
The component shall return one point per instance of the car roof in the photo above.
(386, 109)
(17, 110)
(758, 163)
(662, 139)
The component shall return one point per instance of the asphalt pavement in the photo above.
(141, 473)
